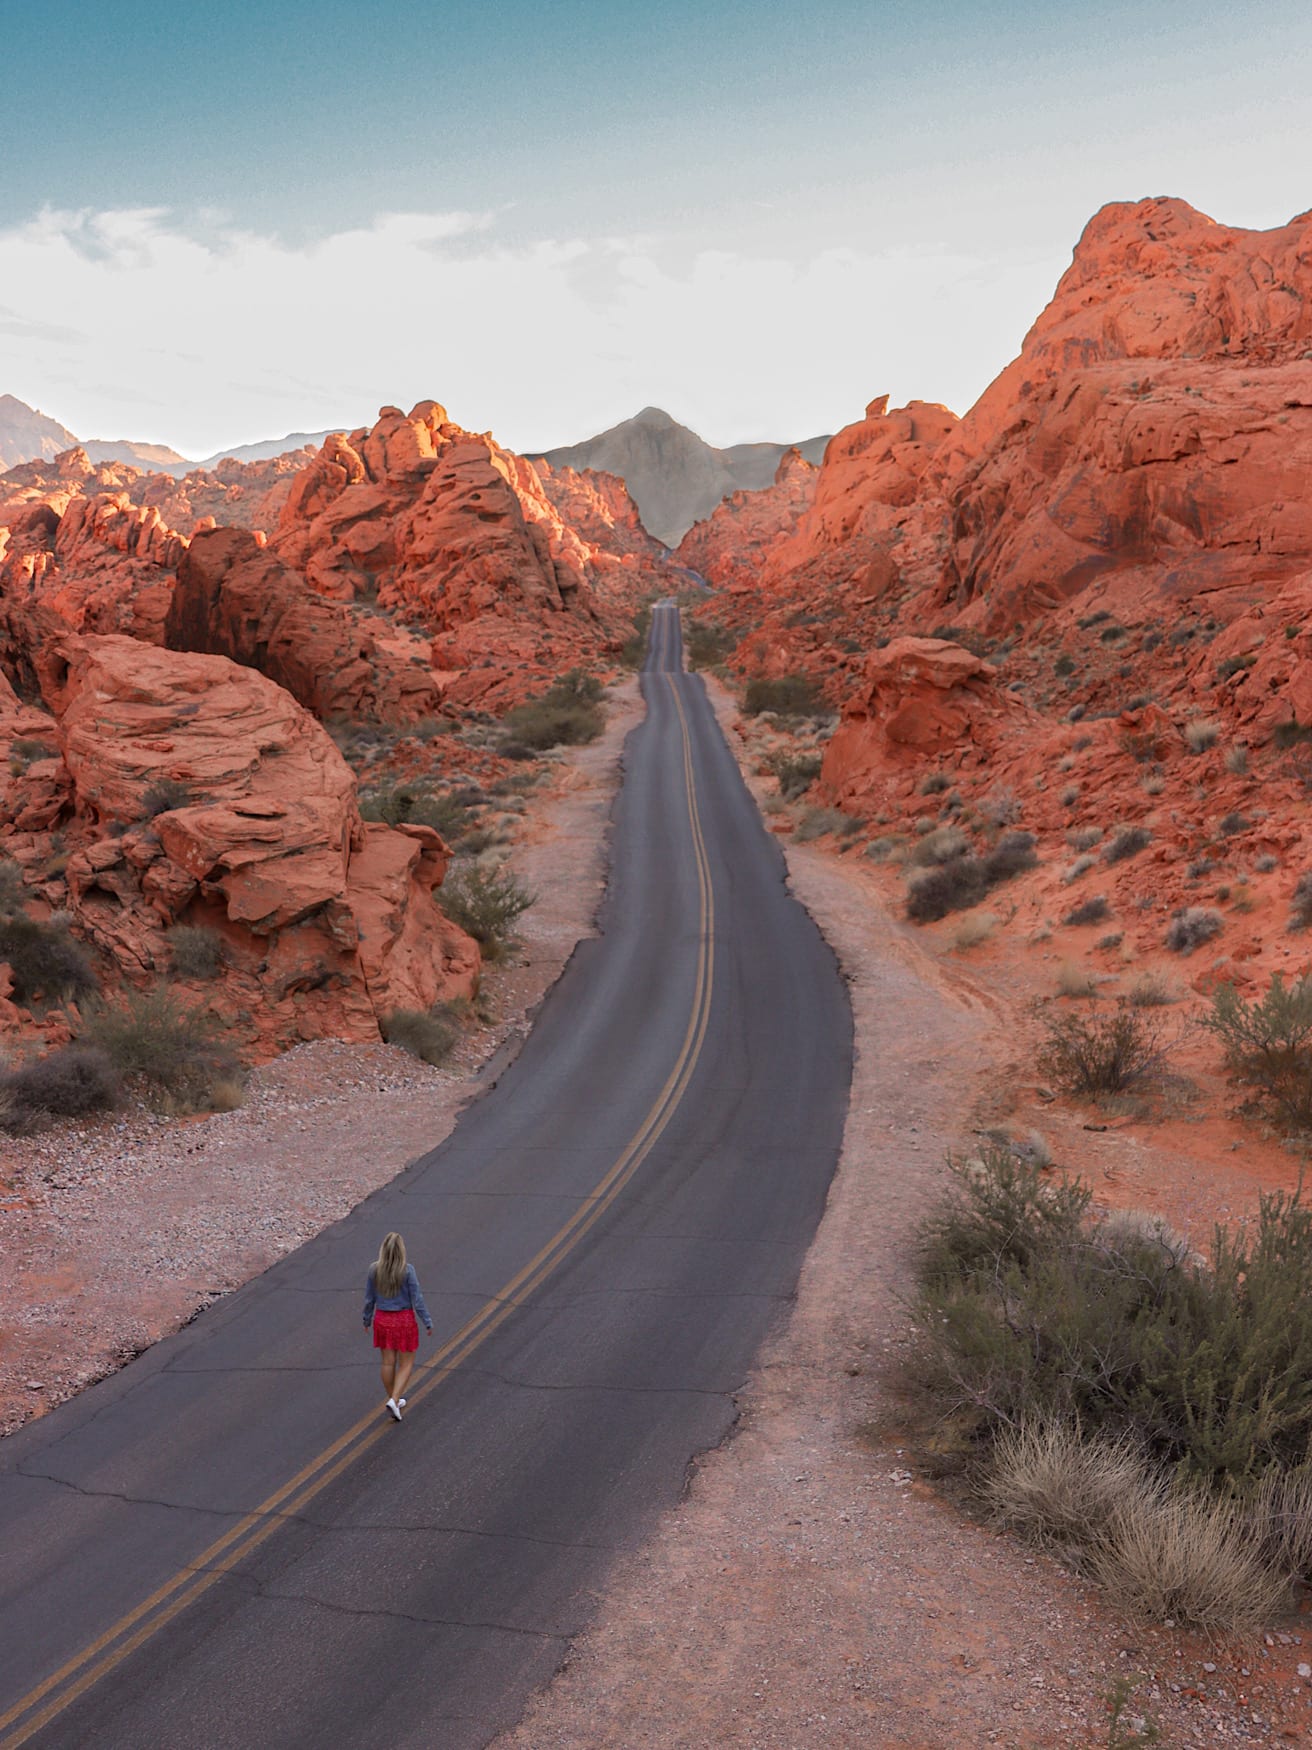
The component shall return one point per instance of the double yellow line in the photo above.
(50, 1697)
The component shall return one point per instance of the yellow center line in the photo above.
(138, 1625)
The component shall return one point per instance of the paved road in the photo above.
(228, 1544)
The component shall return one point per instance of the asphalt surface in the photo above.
(229, 1544)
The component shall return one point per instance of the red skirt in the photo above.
(396, 1330)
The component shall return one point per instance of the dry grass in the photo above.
(1179, 1556)
(1150, 991)
(971, 931)
(1057, 1489)
(1201, 734)
(1074, 980)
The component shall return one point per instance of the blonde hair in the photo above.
(390, 1268)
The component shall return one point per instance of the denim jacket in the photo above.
(408, 1295)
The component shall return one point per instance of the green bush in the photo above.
(965, 881)
(416, 805)
(1092, 911)
(45, 960)
(816, 822)
(1191, 926)
(1127, 841)
(1029, 1312)
(486, 906)
(195, 950)
(1268, 1044)
(171, 1049)
(795, 772)
(791, 695)
(1103, 1054)
(68, 1083)
(428, 1034)
(568, 714)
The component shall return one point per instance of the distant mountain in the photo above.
(675, 477)
(153, 458)
(27, 435)
(295, 440)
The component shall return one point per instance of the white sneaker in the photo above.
(395, 1408)
(400, 1403)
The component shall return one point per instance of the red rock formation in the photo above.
(235, 598)
(736, 544)
(328, 922)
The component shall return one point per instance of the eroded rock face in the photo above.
(328, 923)
(235, 598)
(736, 544)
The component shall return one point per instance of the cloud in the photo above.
(215, 334)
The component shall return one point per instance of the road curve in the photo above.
(228, 1545)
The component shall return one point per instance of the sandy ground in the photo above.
(114, 1233)
(812, 1590)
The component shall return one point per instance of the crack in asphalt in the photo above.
(312, 1521)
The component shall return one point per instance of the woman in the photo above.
(392, 1297)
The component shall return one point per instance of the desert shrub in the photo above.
(164, 795)
(1102, 1054)
(707, 643)
(13, 889)
(1057, 1488)
(1268, 1043)
(1291, 733)
(1080, 866)
(816, 822)
(44, 959)
(790, 694)
(881, 849)
(1185, 1556)
(1280, 1517)
(1012, 855)
(428, 1034)
(963, 881)
(1127, 841)
(1064, 665)
(795, 772)
(971, 931)
(170, 1048)
(1231, 665)
(1191, 926)
(416, 805)
(1266, 863)
(1075, 981)
(633, 651)
(1199, 867)
(568, 714)
(486, 906)
(195, 950)
(1300, 915)
(1201, 734)
(940, 845)
(1030, 1313)
(1092, 911)
(1236, 759)
(1234, 822)
(26, 748)
(934, 783)
(1154, 784)
(68, 1083)
(1070, 796)
(1083, 838)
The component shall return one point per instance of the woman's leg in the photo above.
(405, 1364)
(389, 1360)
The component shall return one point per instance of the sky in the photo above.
(220, 223)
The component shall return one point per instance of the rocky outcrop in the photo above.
(235, 598)
(734, 547)
(189, 789)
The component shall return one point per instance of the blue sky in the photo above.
(220, 222)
